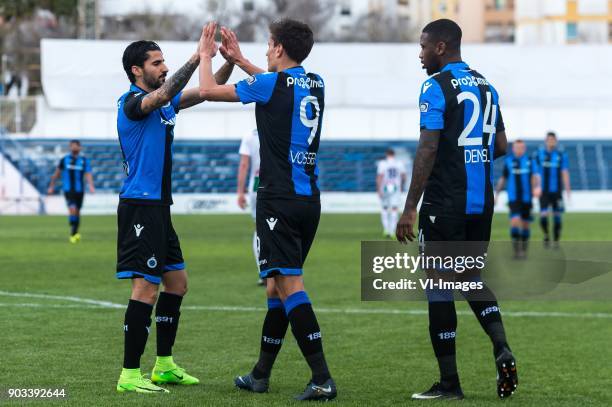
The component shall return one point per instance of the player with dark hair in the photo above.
(522, 182)
(74, 169)
(289, 113)
(462, 132)
(553, 167)
(148, 248)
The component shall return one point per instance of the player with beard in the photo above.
(462, 132)
(148, 248)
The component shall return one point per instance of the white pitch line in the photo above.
(363, 311)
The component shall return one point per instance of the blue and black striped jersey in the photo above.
(146, 144)
(550, 165)
(464, 106)
(518, 172)
(73, 170)
(289, 114)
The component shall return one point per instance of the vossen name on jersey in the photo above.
(304, 82)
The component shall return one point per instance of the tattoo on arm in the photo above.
(223, 74)
(423, 165)
(171, 87)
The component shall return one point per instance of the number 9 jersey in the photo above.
(464, 106)
(289, 113)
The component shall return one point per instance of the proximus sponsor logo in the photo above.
(303, 157)
(304, 82)
(468, 81)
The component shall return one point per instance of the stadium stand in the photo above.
(210, 166)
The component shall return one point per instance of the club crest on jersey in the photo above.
(152, 262)
(251, 80)
(424, 107)
(271, 222)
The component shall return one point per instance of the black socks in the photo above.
(272, 336)
(167, 316)
(136, 328)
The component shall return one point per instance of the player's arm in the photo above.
(501, 183)
(89, 177)
(209, 89)
(565, 176)
(536, 181)
(54, 178)
(191, 97)
(423, 165)
(230, 50)
(171, 87)
(243, 168)
(379, 178)
(501, 144)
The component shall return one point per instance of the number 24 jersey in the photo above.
(464, 106)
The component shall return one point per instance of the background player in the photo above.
(74, 168)
(390, 181)
(462, 132)
(289, 112)
(249, 159)
(148, 248)
(522, 181)
(553, 167)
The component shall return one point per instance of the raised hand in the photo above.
(230, 49)
(207, 46)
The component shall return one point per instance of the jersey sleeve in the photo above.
(244, 146)
(132, 106)
(87, 165)
(60, 165)
(564, 162)
(380, 168)
(257, 88)
(432, 105)
(176, 101)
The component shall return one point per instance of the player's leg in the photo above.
(168, 309)
(525, 227)
(255, 242)
(515, 229)
(393, 214)
(272, 336)
(486, 309)
(441, 310)
(384, 217)
(135, 261)
(544, 204)
(77, 216)
(557, 207)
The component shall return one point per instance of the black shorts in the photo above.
(74, 199)
(474, 230)
(551, 199)
(285, 232)
(147, 245)
(521, 210)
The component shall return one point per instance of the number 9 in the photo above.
(313, 123)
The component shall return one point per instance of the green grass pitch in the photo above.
(376, 359)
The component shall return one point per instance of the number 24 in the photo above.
(487, 128)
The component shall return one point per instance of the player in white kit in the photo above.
(247, 196)
(390, 181)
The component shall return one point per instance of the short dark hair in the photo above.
(551, 134)
(390, 151)
(518, 140)
(445, 30)
(136, 54)
(75, 141)
(295, 37)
